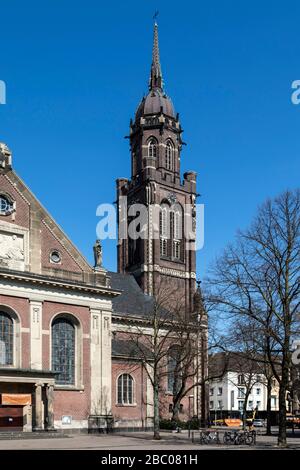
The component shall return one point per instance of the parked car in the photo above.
(258, 423)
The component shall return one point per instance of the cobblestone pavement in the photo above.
(134, 441)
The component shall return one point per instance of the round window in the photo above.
(55, 256)
(6, 206)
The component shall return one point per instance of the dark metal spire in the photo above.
(156, 80)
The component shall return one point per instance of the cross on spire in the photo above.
(156, 80)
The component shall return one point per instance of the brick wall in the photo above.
(138, 410)
(48, 243)
(22, 214)
(70, 402)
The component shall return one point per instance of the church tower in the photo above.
(166, 252)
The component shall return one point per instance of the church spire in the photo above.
(156, 80)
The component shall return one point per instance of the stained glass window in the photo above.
(5, 205)
(6, 339)
(63, 351)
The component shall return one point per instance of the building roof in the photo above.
(132, 301)
(222, 362)
(156, 101)
(129, 349)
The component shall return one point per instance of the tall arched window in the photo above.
(164, 216)
(125, 389)
(169, 155)
(152, 148)
(174, 370)
(177, 232)
(63, 351)
(6, 339)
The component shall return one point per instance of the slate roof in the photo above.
(128, 348)
(132, 301)
(222, 362)
(153, 103)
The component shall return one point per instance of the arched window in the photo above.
(177, 232)
(174, 370)
(7, 205)
(125, 389)
(152, 148)
(164, 216)
(63, 351)
(169, 155)
(171, 231)
(6, 339)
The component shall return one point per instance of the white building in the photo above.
(235, 379)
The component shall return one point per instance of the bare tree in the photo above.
(173, 348)
(258, 277)
(153, 339)
(197, 339)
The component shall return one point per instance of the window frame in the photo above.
(11, 338)
(17, 346)
(169, 155)
(171, 230)
(152, 148)
(122, 402)
(171, 378)
(11, 203)
(78, 357)
(164, 232)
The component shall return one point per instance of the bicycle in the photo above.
(209, 437)
(248, 438)
(230, 437)
(239, 437)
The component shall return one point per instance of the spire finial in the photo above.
(155, 16)
(156, 81)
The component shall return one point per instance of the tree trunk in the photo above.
(175, 415)
(156, 434)
(269, 409)
(284, 383)
(245, 408)
(282, 405)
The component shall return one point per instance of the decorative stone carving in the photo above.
(11, 250)
(172, 198)
(5, 155)
(98, 254)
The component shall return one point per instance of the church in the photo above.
(66, 358)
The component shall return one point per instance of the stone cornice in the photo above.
(59, 284)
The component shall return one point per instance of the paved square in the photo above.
(134, 441)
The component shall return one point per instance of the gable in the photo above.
(29, 235)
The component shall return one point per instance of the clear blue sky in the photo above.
(76, 70)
